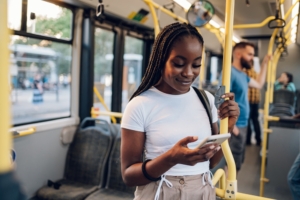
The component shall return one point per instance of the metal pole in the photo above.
(5, 136)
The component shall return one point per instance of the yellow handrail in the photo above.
(202, 70)
(226, 75)
(5, 137)
(266, 106)
(277, 55)
(113, 119)
(257, 25)
(153, 5)
(112, 114)
(17, 134)
(288, 25)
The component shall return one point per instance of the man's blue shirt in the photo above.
(239, 86)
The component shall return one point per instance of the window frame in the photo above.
(73, 118)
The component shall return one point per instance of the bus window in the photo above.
(40, 79)
(14, 14)
(132, 71)
(49, 19)
(103, 61)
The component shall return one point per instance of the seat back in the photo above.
(114, 179)
(88, 154)
(284, 96)
(298, 102)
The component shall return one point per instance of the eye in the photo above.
(178, 65)
(196, 66)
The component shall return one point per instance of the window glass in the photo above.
(49, 19)
(40, 79)
(14, 14)
(103, 60)
(132, 69)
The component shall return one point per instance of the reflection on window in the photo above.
(132, 71)
(40, 79)
(49, 19)
(14, 14)
(103, 60)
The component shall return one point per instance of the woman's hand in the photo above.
(230, 109)
(181, 154)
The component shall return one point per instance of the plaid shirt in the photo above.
(253, 93)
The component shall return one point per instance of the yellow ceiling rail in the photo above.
(5, 137)
(153, 5)
(29, 131)
(257, 25)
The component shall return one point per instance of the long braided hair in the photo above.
(161, 49)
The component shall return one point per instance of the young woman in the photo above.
(165, 120)
(285, 81)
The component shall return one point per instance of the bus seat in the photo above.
(298, 101)
(115, 187)
(284, 96)
(282, 109)
(85, 164)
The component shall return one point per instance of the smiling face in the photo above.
(182, 66)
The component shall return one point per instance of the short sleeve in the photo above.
(133, 116)
(248, 78)
(214, 112)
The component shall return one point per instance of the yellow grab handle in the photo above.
(29, 131)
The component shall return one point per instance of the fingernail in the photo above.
(211, 147)
(218, 148)
(218, 111)
(223, 96)
(195, 137)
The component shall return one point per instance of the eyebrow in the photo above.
(182, 57)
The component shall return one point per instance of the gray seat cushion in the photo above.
(109, 194)
(67, 191)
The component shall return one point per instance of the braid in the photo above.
(161, 48)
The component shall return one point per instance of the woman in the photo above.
(37, 90)
(285, 81)
(166, 120)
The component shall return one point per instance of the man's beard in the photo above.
(246, 64)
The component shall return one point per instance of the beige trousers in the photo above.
(183, 188)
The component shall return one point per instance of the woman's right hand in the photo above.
(181, 154)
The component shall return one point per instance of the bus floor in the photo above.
(249, 176)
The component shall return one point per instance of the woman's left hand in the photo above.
(229, 108)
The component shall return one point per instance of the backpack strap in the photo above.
(204, 100)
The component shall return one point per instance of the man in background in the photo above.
(254, 98)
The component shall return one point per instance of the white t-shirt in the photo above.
(166, 119)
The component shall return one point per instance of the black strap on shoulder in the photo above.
(204, 100)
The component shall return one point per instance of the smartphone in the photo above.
(219, 139)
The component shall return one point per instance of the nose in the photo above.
(187, 72)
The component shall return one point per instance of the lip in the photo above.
(184, 82)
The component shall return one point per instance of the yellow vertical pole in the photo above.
(203, 68)
(154, 16)
(231, 183)
(266, 107)
(226, 82)
(5, 137)
(273, 73)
